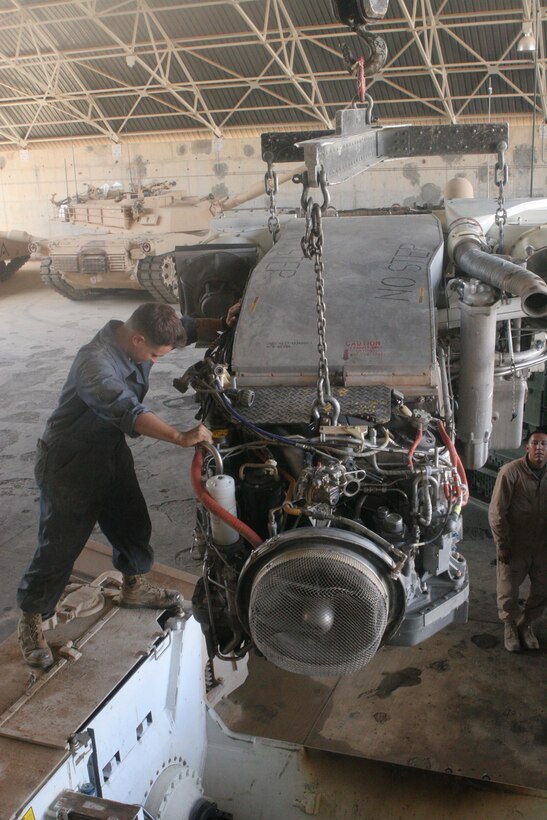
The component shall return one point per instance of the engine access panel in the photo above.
(381, 275)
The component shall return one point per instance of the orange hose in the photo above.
(419, 437)
(456, 461)
(291, 482)
(214, 507)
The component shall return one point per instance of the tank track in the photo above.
(7, 269)
(54, 280)
(150, 273)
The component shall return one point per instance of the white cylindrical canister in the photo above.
(222, 488)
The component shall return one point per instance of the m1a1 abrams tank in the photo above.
(137, 233)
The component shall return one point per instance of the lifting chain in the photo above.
(325, 405)
(501, 176)
(271, 186)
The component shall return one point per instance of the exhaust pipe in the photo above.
(468, 249)
(476, 390)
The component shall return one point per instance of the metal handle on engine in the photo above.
(217, 458)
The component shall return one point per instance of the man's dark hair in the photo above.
(542, 430)
(159, 324)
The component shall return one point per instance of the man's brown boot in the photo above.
(33, 645)
(138, 592)
(528, 637)
(511, 639)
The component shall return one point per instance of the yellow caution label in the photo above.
(29, 815)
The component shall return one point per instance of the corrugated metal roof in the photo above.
(70, 70)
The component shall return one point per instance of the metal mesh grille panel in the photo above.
(66, 264)
(318, 612)
(116, 262)
(94, 264)
(293, 405)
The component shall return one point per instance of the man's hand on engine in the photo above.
(194, 436)
(232, 315)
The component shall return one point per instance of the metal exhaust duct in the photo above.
(467, 247)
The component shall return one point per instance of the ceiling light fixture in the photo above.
(130, 60)
(527, 42)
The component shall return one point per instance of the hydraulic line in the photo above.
(424, 482)
(507, 371)
(456, 461)
(214, 507)
(445, 386)
(414, 447)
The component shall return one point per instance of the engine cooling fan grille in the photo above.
(318, 611)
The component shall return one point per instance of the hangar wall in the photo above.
(227, 167)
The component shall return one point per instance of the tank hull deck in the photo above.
(374, 739)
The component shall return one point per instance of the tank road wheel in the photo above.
(159, 276)
(7, 269)
(54, 280)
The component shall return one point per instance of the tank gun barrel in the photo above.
(16, 243)
(256, 190)
(14, 252)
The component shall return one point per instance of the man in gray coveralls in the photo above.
(518, 519)
(85, 471)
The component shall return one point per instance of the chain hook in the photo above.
(271, 187)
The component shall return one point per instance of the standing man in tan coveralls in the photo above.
(518, 519)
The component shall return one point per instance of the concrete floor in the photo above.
(457, 703)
